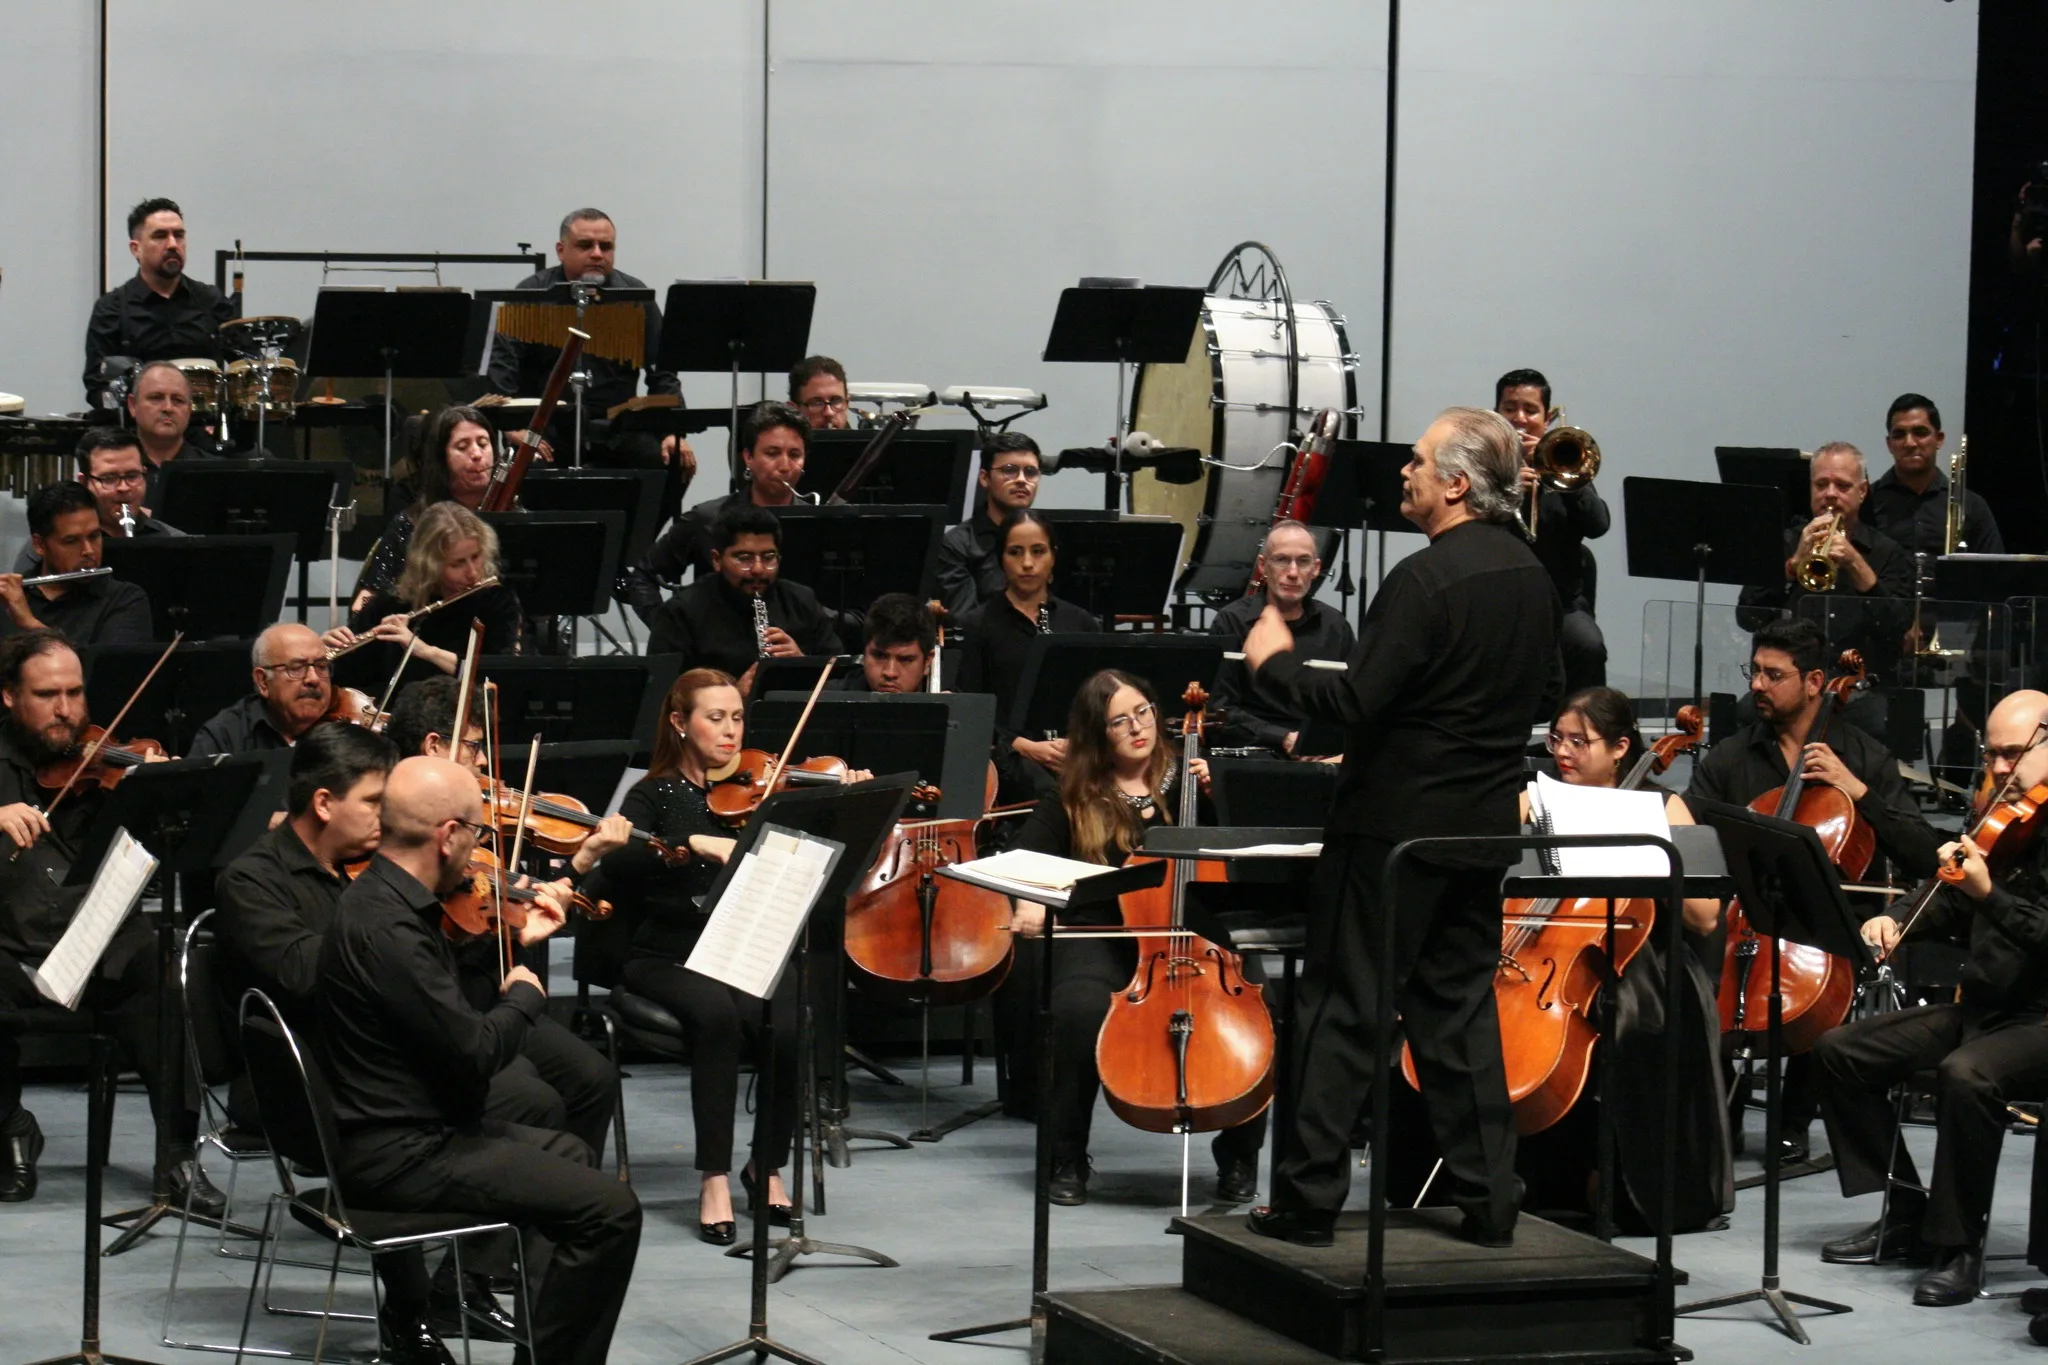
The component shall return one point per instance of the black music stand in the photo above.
(920, 468)
(258, 497)
(1704, 533)
(560, 563)
(206, 586)
(1989, 578)
(849, 556)
(725, 326)
(1056, 665)
(1118, 569)
(405, 333)
(197, 682)
(798, 673)
(635, 492)
(1127, 326)
(566, 700)
(1784, 468)
(1789, 890)
(1362, 491)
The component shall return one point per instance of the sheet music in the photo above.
(1032, 876)
(1561, 808)
(1268, 851)
(762, 910)
(116, 887)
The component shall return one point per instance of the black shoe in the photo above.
(1303, 1227)
(1901, 1229)
(778, 1214)
(2034, 1301)
(1069, 1185)
(718, 1234)
(2038, 1329)
(1237, 1182)
(1794, 1149)
(409, 1340)
(191, 1191)
(1957, 1276)
(488, 1320)
(1482, 1233)
(21, 1145)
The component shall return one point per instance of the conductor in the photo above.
(1457, 654)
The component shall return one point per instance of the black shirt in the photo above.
(28, 564)
(1047, 830)
(711, 624)
(1873, 622)
(1253, 713)
(970, 565)
(1456, 660)
(153, 473)
(1919, 521)
(35, 905)
(276, 904)
(1749, 763)
(2006, 933)
(684, 548)
(243, 728)
(403, 1045)
(96, 611)
(371, 666)
(659, 898)
(998, 638)
(522, 367)
(1565, 521)
(132, 319)
(387, 557)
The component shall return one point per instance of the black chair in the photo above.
(298, 1121)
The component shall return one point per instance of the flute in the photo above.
(75, 576)
(412, 616)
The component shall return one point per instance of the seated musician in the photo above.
(1867, 606)
(1909, 501)
(999, 634)
(817, 384)
(160, 405)
(160, 313)
(1988, 1047)
(294, 689)
(774, 439)
(42, 689)
(1565, 521)
(1787, 672)
(64, 536)
(110, 464)
(714, 623)
(410, 1060)
(1290, 566)
(461, 473)
(970, 566)
(896, 655)
(453, 550)
(1120, 777)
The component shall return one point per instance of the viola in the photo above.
(557, 823)
(1187, 1046)
(95, 761)
(1818, 988)
(2002, 831)
(734, 799)
(354, 706)
(474, 909)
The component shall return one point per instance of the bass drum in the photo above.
(1230, 400)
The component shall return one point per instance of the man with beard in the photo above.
(817, 384)
(745, 609)
(294, 688)
(42, 691)
(160, 313)
(64, 536)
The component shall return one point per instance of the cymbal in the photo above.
(251, 336)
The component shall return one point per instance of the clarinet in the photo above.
(761, 627)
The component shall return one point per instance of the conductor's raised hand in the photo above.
(1268, 636)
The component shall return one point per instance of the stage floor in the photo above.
(957, 1215)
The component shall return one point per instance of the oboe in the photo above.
(761, 627)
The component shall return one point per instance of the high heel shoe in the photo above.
(718, 1234)
(778, 1214)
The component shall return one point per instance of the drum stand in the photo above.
(584, 295)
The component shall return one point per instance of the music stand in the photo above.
(560, 563)
(1362, 491)
(943, 736)
(206, 586)
(1989, 578)
(405, 333)
(1118, 568)
(1706, 533)
(635, 492)
(589, 770)
(197, 682)
(258, 497)
(849, 556)
(725, 326)
(1136, 325)
(1789, 890)
(920, 468)
(564, 700)
(1769, 467)
(1056, 665)
(798, 672)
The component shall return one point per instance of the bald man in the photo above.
(1988, 1047)
(289, 669)
(410, 1060)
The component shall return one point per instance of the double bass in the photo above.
(1553, 958)
(1187, 1046)
(1818, 987)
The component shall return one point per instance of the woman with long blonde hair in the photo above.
(451, 551)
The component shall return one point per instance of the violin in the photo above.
(2002, 831)
(1187, 1046)
(1553, 958)
(734, 798)
(557, 823)
(473, 910)
(916, 938)
(1818, 988)
(353, 706)
(96, 762)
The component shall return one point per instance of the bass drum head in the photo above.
(1173, 402)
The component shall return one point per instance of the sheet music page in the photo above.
(1566, 809)
(116, 887)
(1314, 850)
(762, 910)
(1021, 872)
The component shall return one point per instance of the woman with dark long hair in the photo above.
(452, 462)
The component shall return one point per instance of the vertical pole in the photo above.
(1387, 253)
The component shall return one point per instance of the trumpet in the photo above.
(1816, 572)
(1566, 458)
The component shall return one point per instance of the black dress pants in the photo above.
(721, 1026)
(558, 1081)
(528, 1177)
(1447, 947)
(1981, 1062)
(1583, 647)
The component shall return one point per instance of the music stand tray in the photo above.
(560, 563)
(256, 497)
(1362, 488)
(798, 673)
(589, 770)
(1056, 665)
(1989, 578)
(206, 586)
(1121, 567)
(1148, 325)
(197, 682)
(405, 333)
(566, 700)
(725, 326)
(849, 556)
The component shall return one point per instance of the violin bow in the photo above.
(518, 835)
(465, 678)
(384, 701)
(797, 733)
(92, 750)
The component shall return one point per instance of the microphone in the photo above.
(1140, 450)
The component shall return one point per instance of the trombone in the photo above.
(1566, 458)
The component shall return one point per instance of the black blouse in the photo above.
(1047, 830)
(661, 898)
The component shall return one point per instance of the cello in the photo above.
(1187, 1046)
(916, 938)
(1553, 958)
(1818, 987)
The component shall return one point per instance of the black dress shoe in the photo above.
(778, 1214)
(1957, 1276)
(410, 1340)
(191, 1191)
(718, 1234)
(1069, 1185)
(1794, 1149)
(2038, 1329)
(1303, 1227)
(1901, 1229)
(1479, 1232)
(1237, 1182)
(2034, 1300)
(488, 1320)
(21, 1145)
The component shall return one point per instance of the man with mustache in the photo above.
(64, 536)
(159, 314)
(711, 623)
(294, 686)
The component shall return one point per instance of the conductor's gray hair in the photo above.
(1484, 448)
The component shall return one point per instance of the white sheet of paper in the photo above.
(761, 912)
(115, 889)
(1027, 875)
(1603, 810)
(1268, 851)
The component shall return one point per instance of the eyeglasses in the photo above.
(1027, 472)
(118, 479)
(482, 832)
(1301, 562)
(298, 668)
(834, 404)
(747, 559)
(470, 747)
(1140, 719)
(1771, 676)
(1578, 744)
(2010, 754)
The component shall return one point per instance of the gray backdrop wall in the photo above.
(1741, 222)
